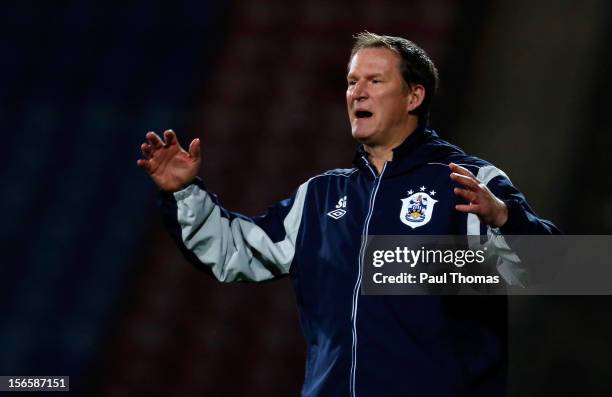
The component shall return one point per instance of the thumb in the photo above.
(194, 149)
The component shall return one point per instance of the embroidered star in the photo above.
(410, 192)
(422, 188)
(433, 192)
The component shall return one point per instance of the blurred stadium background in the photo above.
(93, 288)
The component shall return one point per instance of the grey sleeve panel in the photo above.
(508, 265)
(235, 249)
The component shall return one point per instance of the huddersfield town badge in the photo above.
(417, 208)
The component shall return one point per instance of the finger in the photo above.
(144, 164)
(466, 181)
(468, 208)
(154, 140)
(194, 149)
(146, 150)
(467, 195)
(170, 137)
(460, 170)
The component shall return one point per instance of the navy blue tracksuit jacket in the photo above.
(362, 345)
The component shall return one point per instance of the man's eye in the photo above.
(352, 82)
(375, 81)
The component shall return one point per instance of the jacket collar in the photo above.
(422, 146)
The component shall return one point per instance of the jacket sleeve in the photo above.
(231, 246)
(522, 220)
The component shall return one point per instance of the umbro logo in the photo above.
(336, 214)
(340, 209)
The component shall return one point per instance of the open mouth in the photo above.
(363, 114)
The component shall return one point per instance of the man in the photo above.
(365, 345)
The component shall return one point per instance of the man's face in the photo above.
(376, 97)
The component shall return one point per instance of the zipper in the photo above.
(364, 237)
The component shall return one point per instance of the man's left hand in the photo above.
(491, 210)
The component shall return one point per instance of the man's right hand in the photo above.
(169, 165)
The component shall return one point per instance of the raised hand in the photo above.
(169, 165)
(491, 210)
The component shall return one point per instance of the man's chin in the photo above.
(362, 137)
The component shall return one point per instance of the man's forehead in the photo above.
(373, 60)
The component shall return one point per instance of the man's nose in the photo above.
(359, 92)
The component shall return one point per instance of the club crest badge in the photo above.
(417, 208)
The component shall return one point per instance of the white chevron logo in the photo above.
(339, 211)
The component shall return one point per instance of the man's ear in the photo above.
(415, 97)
